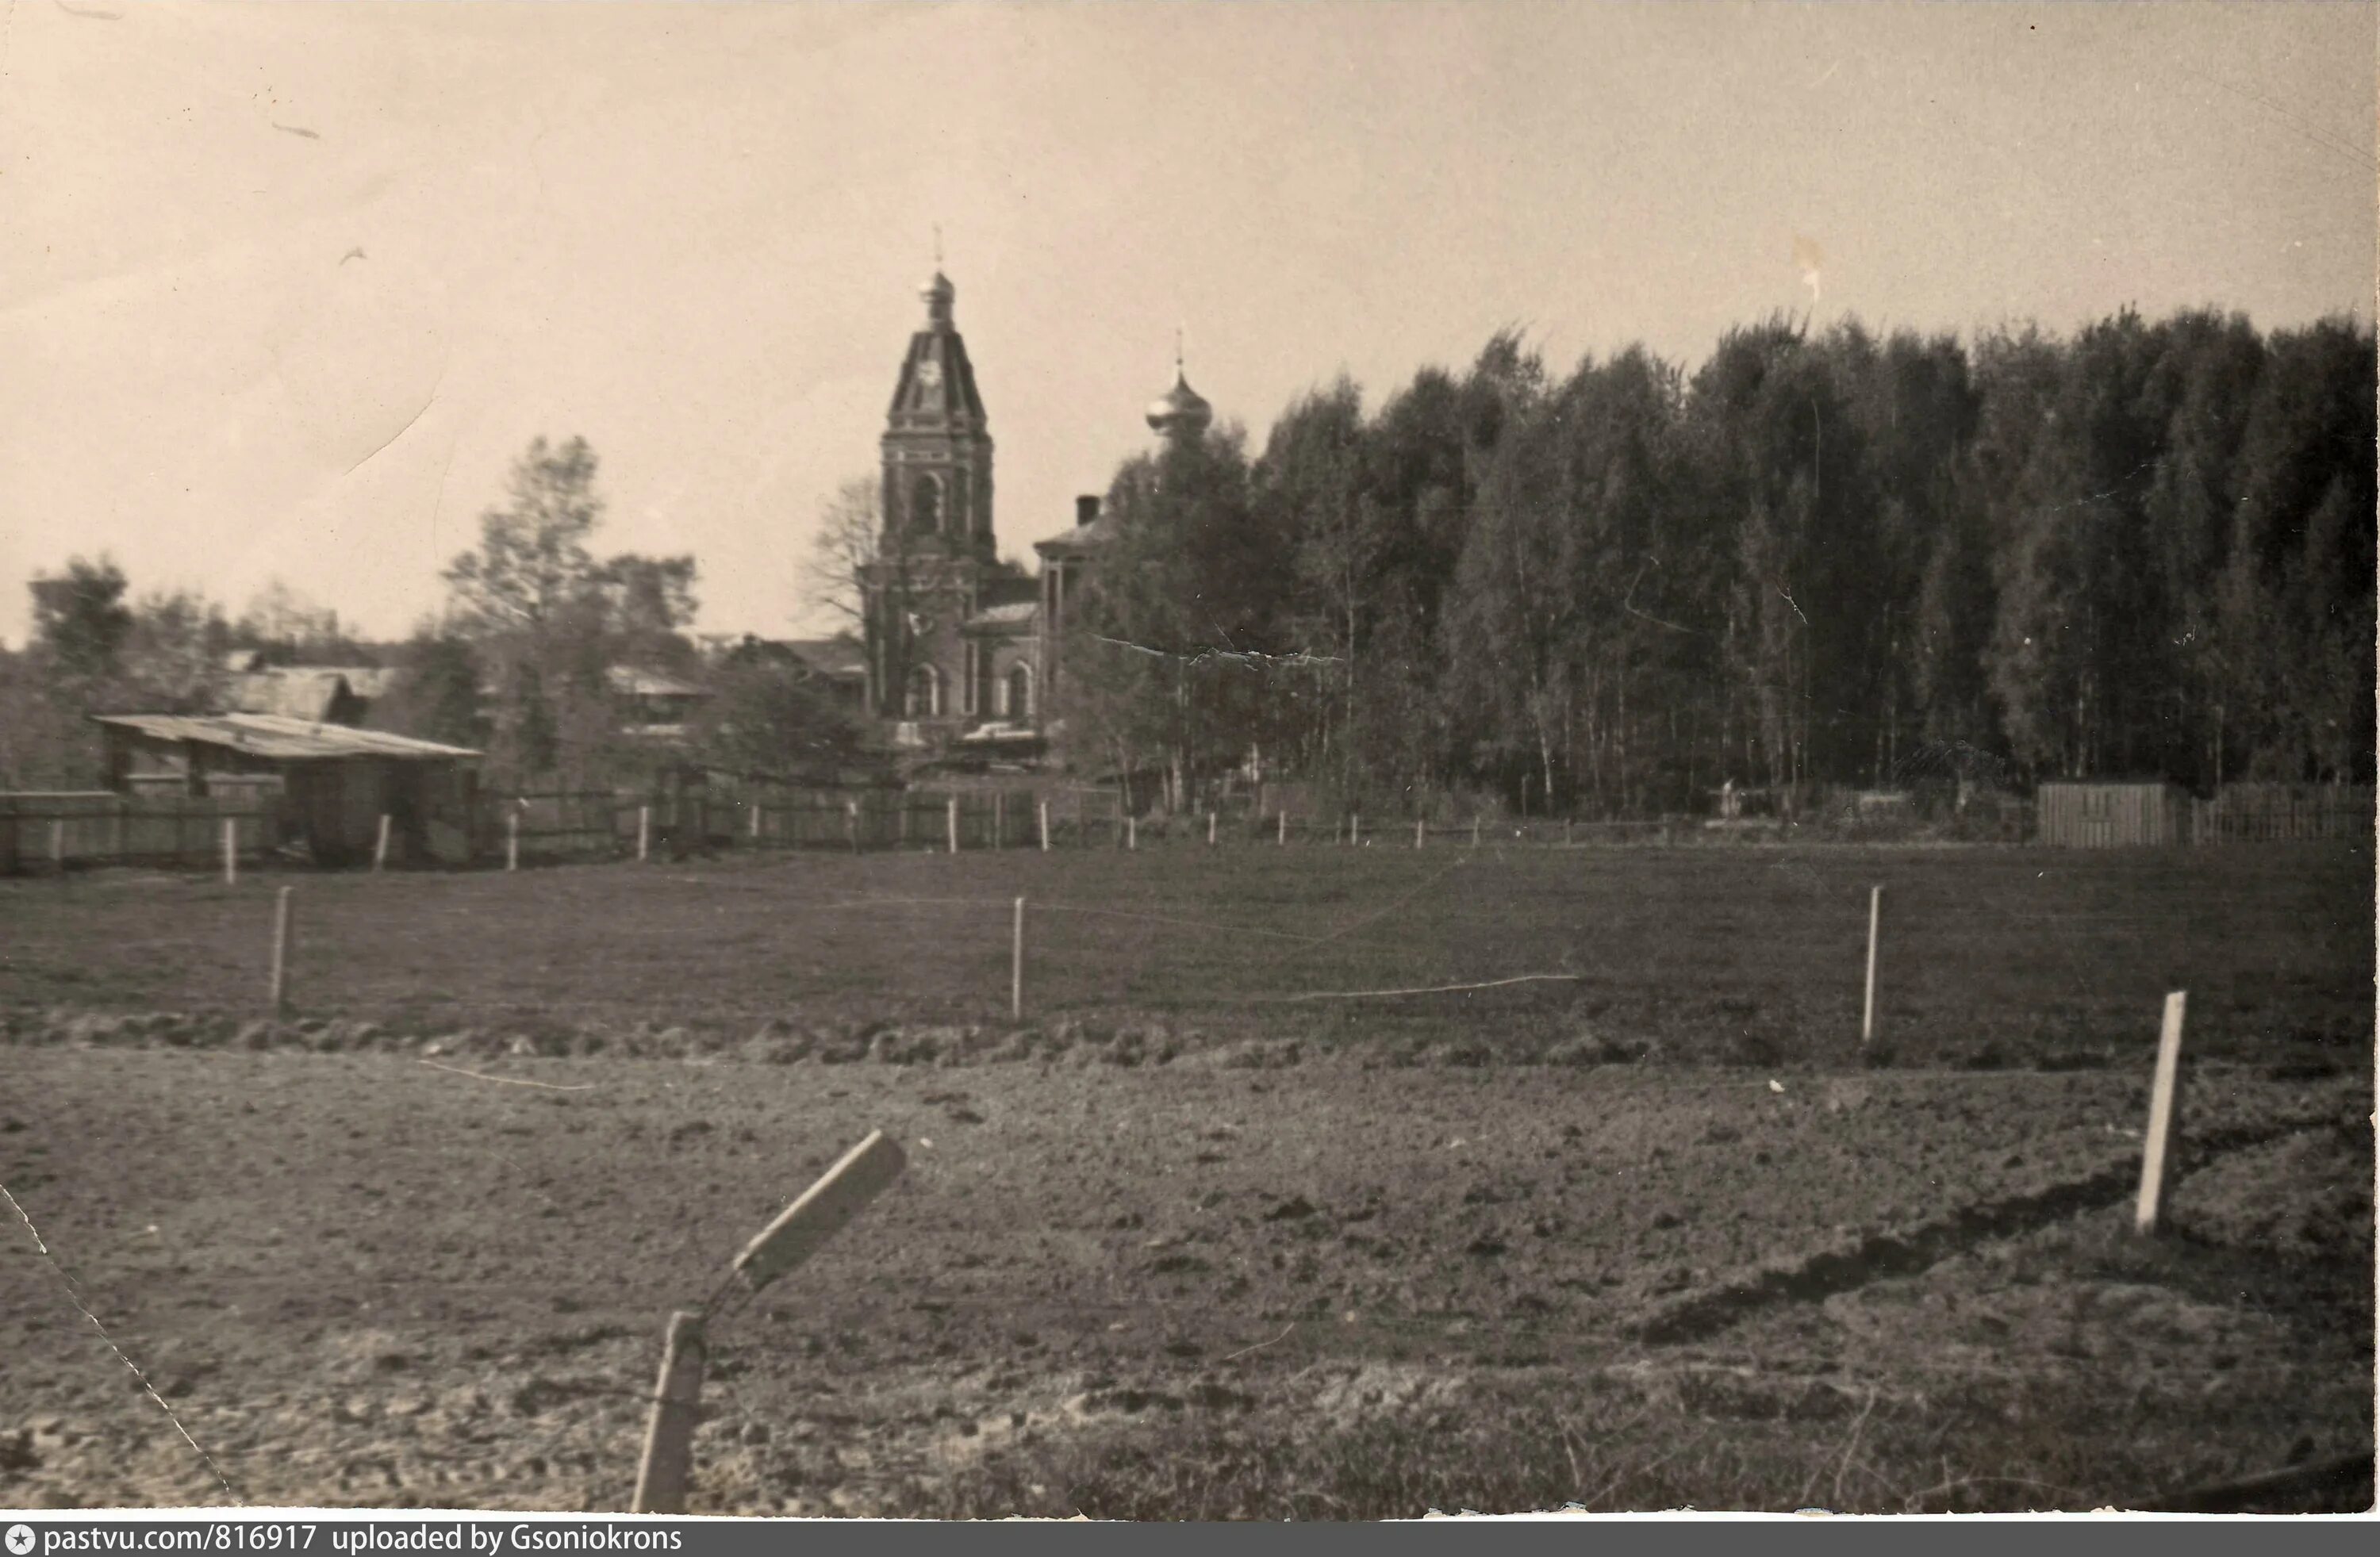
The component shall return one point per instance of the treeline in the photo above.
(523, 663)
(1822, 557)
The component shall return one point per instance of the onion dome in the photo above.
(1181, 412)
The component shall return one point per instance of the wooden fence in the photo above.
(2284, 814)
(75, 829)
(44, 831)
(863, 820)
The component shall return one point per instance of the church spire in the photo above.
(936, 289)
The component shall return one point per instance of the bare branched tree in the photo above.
(850, 536)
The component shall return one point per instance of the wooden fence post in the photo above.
(1419, 824)
(231, 851)
(1565, 832)
(1016, 964)
(281, 928)
(951, 812)
(380, 845)
(825, 1207)
(755, 823)
(1045, 827)
(1354, 829)
(644, 832)
(999, 818)
(1474, 829)
(668, 1432)
(851, 823)
(1282, 838)
(1210, 830)
(1132, 832)
(2154, 1151)
(1874, 921)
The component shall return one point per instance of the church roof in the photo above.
(1099, 531)
(1015, 616)
(937, 384)
(937, 387)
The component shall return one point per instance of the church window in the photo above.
(1019, 693)
(925, 503)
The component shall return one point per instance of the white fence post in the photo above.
(380, 845)
(1045, 827)
(2154, 1151)
(1874, 922)
(1282, 837)
(951, 815)
(1210, 830)
(1418, 824)
(1016, 964)
(1132, 832)
(281, 930)
(512, 838)
(231, 851)
(644, 832)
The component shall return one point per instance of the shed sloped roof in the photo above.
(277, 737)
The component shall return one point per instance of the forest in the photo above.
(1822, 557)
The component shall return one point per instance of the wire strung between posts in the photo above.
(1424, 989)
(73, 1295)
(1375, 916)
(841, 899)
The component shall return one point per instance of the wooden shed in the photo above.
(334, 782)
(2087, 814)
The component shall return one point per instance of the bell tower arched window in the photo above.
(925, 503)
(1019, 693)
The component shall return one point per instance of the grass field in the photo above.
(1988, 956)
(1177, 1245)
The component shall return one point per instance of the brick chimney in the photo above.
(1086, 509)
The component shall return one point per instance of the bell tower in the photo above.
(937, 444)
(936, 544)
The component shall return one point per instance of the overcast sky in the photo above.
(284, 287)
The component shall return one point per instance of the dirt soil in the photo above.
(1232, 1282)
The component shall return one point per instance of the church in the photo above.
(961, 646)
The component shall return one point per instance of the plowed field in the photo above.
(1655, 1237)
